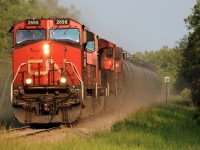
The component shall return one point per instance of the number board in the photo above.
(61, 21)
(33, 22)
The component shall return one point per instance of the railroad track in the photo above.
(27, 131)
(15, 129)
(38, 131)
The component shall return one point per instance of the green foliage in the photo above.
(193, 20)
(167, 62)
(191, 53)
(186, 94)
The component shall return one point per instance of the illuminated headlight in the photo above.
(46, 49)
(28, 81)
(63, 80)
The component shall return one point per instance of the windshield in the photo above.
(27, 34)
(65, 34)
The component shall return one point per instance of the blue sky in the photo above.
(135, 25)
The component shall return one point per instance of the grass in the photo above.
(161, 127)
(167, 127)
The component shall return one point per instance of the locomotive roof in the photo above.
(45, 19)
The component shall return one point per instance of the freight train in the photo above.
(62, 70)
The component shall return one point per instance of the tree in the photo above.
(191, 53)
(181, 84)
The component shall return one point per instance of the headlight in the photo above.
(28, 81)
(46, 49)
(63, 80)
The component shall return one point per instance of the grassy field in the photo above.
(166, 127)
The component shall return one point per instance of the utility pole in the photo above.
(167, 79)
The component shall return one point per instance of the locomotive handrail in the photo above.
(73, 67)
(79, 77)
(11, 92)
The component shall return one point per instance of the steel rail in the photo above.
(15, 129)
(38, 132)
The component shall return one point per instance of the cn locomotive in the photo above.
(61, 71)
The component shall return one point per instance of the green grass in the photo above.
(166, 127)
(161, 127)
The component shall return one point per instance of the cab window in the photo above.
(30, 35)
(117, 55)
(109, 52)
(90, 46)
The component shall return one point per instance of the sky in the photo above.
(135, 25)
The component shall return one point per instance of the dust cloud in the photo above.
(129, 104)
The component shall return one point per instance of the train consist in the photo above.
(61, 71)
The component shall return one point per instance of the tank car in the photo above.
(61, 70)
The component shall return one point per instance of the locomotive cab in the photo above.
(111, 65)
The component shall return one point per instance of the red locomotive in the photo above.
(61, 69)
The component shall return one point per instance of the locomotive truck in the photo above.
(61, 70)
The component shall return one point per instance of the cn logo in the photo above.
(167, 79)
(44, 72)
